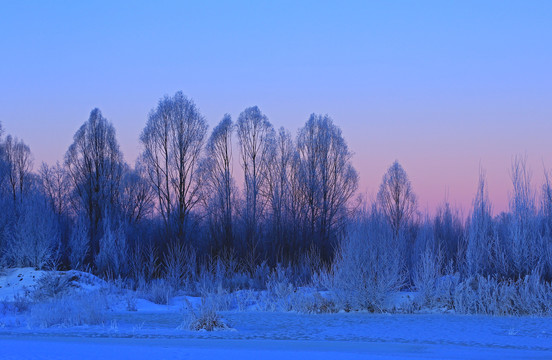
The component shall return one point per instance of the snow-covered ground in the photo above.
(155, 332)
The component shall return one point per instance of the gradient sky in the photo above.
(445, 87)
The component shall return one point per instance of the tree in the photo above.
(396, 199)
(19, 165)
(34, 238)
(172, 142)
(526, 250)
(480, 233)
(256, 138)
(94, 165)
(136, 200)
(328, 177)
(55, 185)
(216, 170)
(279, 192)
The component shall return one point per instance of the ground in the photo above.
(156, 332)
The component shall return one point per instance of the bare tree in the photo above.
(136, 200)
(94, 165)
(279, 191)
(19, 164)
(55, 184)
(396, 199)
(172, 142)
(216, 170)
(328, 177)
(256, 137)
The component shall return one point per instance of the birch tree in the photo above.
(172, 142)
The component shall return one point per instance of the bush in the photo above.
(205, 318)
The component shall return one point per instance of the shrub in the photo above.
(204, 318)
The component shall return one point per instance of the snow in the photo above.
(154, 332)
(16, 281)
(166, 348)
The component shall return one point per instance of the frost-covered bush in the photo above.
(367, 267)
(204, 318)
(71, 309)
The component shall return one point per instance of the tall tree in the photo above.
(328, 177)
(94, 165)
(172, 142)
(218, 182)
(256, 138)
(279, 191)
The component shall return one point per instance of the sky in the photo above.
(447, 88)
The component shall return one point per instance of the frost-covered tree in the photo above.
(256, 138)
(396, 198)
(172, 142)
(94, 166)
(481, 234)
(218, 189)
(328, 178)
(524, 238)
(368, 265)
(34, 238)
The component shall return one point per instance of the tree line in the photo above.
(180, 208)
(94, 211)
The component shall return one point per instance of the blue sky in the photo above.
(443, 86)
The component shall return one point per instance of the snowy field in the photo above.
(155, 334)
(155, 331)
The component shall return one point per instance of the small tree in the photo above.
(396, 199)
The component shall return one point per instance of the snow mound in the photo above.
(18, 281)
